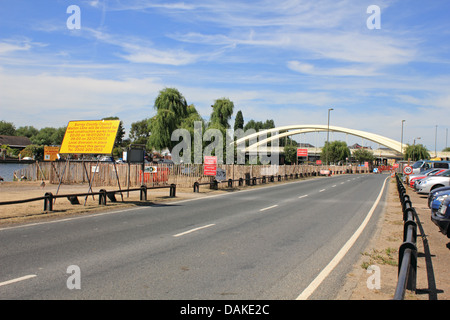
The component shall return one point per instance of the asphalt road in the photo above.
(261, 243)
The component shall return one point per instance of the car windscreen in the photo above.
(443, 165)
(417, 164)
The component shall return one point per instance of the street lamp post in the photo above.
(328, 133)
(435, 141)
(402, 139)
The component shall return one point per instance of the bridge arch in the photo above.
(306, 128)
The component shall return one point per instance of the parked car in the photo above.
(436, 193)
(441, 217)
(106, 159)
(165, 161)
(437, 200)
(430, 172)
(433, 174)
(430, 183)
(422, 165)
(406, 178)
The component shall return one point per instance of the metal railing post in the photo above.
(48, 202)
(173, 190)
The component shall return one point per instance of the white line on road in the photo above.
(333, 186)
(304, 196)
(264, 209)
(17, 279)
(322, 190)
(193, 230)
(335, 261)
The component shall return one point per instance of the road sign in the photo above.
(50, 153)
(151, 169)
(407, 170)
(210, 166)
(221, 175)
(302, 152)
(90, 137)
(395, 165)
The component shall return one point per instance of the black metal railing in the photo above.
(407, 257)
(103, 195)
(248, 181)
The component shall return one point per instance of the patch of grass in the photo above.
(381, 257)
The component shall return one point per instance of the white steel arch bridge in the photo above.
(306, 128)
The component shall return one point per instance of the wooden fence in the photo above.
(183, 175)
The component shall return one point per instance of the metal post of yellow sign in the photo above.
(90, 137)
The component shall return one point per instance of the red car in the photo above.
(418, 177)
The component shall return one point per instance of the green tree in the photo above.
(27, 131)
(171, 110)
(49, 136)
(222, 112)
(446, 149)
(140, 131)
(334, 152)
(7, 128)
(290, 153)
(44, 137)
(33, 151)
(363, 155)
(416, 152)
(172, 100)
(192, 116)
(239, 121)
(259, 125)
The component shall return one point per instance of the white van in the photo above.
(423, 165)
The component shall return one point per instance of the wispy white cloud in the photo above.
(6, 48)
(139, 54)
(310, 69)
(50, 99)
(137, 5)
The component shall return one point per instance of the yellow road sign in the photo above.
(90, 137)
(50, 153)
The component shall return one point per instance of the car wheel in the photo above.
(436, 186)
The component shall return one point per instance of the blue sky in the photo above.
(284, 60)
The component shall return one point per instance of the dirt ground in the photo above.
(433, 247)
(33, 211)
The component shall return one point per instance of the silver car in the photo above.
(430, 183)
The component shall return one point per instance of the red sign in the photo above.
(318, 161)
(395, 165)
(407, 170)
(210, 166)
(302, 152)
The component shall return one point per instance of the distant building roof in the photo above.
(305, 145)
(14, 141)
(357, 146)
